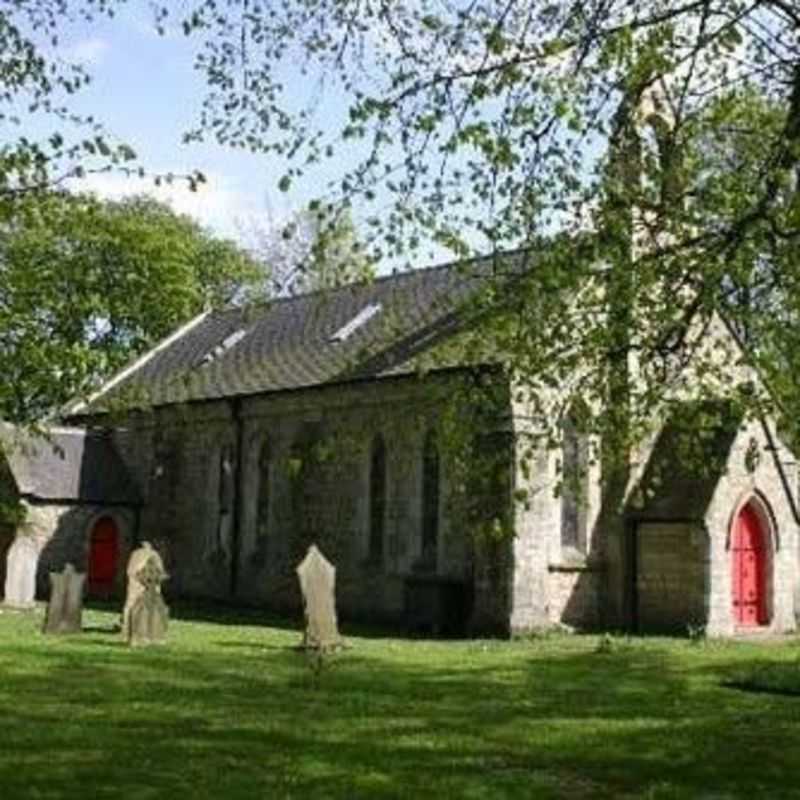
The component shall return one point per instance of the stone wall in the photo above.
(62, 533)
(305, 457)
(318, 446)
(671, 585)
(553, 583)
(684, 561)
(761, 469)
(575, 597)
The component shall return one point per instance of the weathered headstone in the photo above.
(21, 563)
(145, 616)
(65, 607)
(318, 585)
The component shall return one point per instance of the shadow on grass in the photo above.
(759, 688)
(766, 677)
(112, 628)
(225, 614)
(222, 614)
(241, 718)
(255, 647)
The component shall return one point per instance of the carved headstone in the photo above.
(65, 607)
(318, 585)
(21, 563)
(145, 616)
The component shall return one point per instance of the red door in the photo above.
(103, 555)
(749, 570)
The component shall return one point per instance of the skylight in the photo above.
(358, 321)
(226, 344)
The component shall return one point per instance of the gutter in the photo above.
(76, 406)
(39, 500)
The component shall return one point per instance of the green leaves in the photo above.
(87, 285)
(653, 146)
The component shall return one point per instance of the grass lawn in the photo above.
(229, 710)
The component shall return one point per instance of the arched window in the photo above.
(225, 500)
(226, 478)
(574, 481)
(430, 500)
(377, 498)
(166, 474)
(264, 501)
(306, 486)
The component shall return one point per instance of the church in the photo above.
(333, 418)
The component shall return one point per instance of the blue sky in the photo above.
(147, 94)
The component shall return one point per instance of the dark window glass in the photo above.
(430, 500)
(574, 484)
(377, 498)
(264, 497)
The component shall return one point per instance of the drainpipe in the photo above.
(238, 423)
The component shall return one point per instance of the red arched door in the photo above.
(749, 569)
(103, 556)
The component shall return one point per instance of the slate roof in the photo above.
(287, 343)
(67, 464)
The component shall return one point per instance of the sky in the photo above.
(146, 93)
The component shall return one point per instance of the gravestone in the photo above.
(21, 563)
(65, 607)
(318, 585)
(145, 616)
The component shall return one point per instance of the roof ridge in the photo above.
(291, 339)
(392, 276)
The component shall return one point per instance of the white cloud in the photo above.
(87, 52)
(217, 204)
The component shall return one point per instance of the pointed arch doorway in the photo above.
(103, 556)
(749, 569)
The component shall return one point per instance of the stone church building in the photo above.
(252, 432)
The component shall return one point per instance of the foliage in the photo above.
(640, 156)
(388, 718)
(86, 285)
(486, 126)
(12, 511)
(311, 252)
(70, 307)
(35, 79)
(38, 83)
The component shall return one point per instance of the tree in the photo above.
(489, 126)
(311, 252)
(40, 84)
(494, 125)
(87, 285)
(36, 82)
(50, 342)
